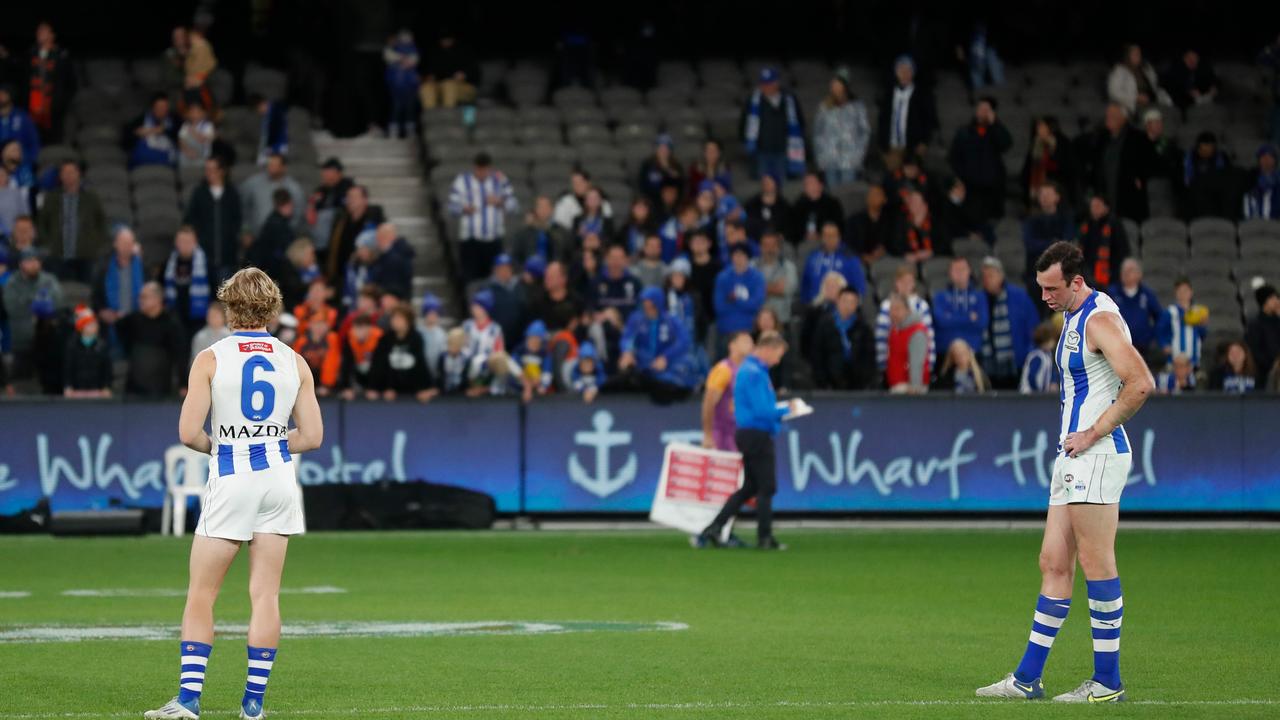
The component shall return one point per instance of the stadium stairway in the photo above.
(392, 171)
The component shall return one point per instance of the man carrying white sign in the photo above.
(759, 417)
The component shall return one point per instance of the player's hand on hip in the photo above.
(1078, 442)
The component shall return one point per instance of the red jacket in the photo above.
(898, 368)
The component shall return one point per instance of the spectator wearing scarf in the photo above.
(960, 310)
(773, 129)
(1012, 323)
(186, 280)
(1104, 243)
(1263, 198)
(845, 348)
(359, 267)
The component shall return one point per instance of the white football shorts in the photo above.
(1097, 479)
(259, 501)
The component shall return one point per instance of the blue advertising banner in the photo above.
(855, 453)
(472, 444)
(93, 455)
(872, 453)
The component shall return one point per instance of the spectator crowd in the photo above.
(592, 293)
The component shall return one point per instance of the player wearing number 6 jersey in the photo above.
(1104, 382)
(249, 385)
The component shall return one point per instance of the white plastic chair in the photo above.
(191, 483)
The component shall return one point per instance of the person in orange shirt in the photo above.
(717, 401)
(357, 355)
(320, 347)
(316, 306)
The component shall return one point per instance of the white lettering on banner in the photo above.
(6, 482)
(897, 471)
(349, 473)
(94, 469)
(1043, 464)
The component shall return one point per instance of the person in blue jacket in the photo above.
(657, 352)
(832, 256)
(16, 124)
(739, 295)
(1012, 322)
(759, 419)
(1139, 305)
(959, 311)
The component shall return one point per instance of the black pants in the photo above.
(477, 258)
(761, 482)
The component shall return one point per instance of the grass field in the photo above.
(858, 623)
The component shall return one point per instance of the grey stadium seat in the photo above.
(539, 133)
(1214, 246)
(1211, 226)
(1259, 227)
(1164, 226)
(152, 175)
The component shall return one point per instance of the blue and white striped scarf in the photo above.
(795, 135)
(200, 290)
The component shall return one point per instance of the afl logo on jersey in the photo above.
(256, 346)
(1073, 341)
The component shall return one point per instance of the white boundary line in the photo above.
(695, 705)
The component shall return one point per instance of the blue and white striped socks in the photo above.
(1050, 614)
(260, 661)
(1106, 611)
(195, 658)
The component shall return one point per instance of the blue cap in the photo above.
(28, 253)
(367, 239)
(587, 350)
(535, 266)
(503, 259)
(905, 59)
(664, 139)
(707, 185)
(430, 303)
(680, 265)
(728, 204)
(537, 329)
(484, 299)
(768, 75)
(653, 295)
(1266, 149)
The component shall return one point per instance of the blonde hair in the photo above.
(252, 299)
(975, 368)
(298, 249)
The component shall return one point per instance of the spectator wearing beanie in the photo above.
(86, 369)
(484, 336)
(1263, 332)
(1007, 338)
(586, 373)
(434, 337)
(27, 291)
(773, 129)
(537, 369)
(360, 268)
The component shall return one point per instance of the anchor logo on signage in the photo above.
(603, 438)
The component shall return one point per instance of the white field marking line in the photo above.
(175, 592)
(13, 594)
(695, 705)
(67, 633)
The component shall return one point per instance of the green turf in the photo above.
(840, 622)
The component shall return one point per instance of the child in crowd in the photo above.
(586, 375)
(1040, 371)
(434, 337)
(215, 329)
(357, 355)
(453, 375)
(536, 368)
(322, 350)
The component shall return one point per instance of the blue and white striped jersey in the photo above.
(255, 385)
(488, 222)
(1089, 383)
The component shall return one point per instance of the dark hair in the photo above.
(482, 159)
(849, 290)
(1182, 280)
(735, 223)
(281, 197)
(733, 336)
(1066, 254)
(157, 96)
(283, 159)
(990, 100)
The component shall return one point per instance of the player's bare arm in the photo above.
(1105, 335)
(710, 399)
(195, 407)
(309, 432)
